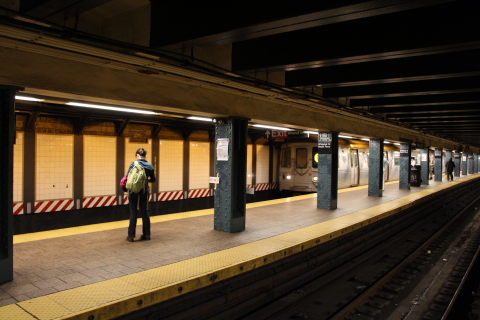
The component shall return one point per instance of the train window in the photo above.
(301, 158)
(286, 157)
(315, 157)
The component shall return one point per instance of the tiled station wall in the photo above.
(54, 165)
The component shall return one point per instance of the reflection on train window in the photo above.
(302, 159)
(396, 161)
(315, 157)
(286, 158)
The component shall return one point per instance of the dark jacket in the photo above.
(149, 171)
(450, 165)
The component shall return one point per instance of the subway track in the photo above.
(361, 275)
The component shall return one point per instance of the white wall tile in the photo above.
(199, 164)
(263, 154)
(171, 165)
(54, 167)
(99, 156)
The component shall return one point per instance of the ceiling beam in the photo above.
(416, 100)
(427, 86)
(429, 116)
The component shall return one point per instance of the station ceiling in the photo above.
(413, 62)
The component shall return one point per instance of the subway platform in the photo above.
(91, 272)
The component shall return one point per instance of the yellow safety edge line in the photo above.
(57, 233)
(199, 272)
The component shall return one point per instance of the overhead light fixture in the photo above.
(365, 139)
(396, 143)
(271, 127)
(345, 137)
(310, 132)
(386, 142)
(200, 118)
(103, 107)
(23, 98)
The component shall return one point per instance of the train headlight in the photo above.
(289, 177)
(315, 179)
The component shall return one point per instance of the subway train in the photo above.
(299, 162)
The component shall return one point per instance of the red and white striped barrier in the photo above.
(53, 205)
(169, 195)
(262, 186)
(274, 186)
(97, 202)
(125, 198)
(18, 208)
(199, 193)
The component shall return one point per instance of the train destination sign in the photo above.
(325, 143)
(438, 154)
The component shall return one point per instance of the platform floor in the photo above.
(58, 260)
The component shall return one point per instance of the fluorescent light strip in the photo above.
(396, 143)
(310, 132)
(345, 137)
(271, 127)
(102, 107)
(23, 98)
(365, 139)
(200, 118)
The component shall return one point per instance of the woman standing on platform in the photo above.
(139, 174)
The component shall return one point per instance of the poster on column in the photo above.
(222, 149)
(324, 143)
(424, 157)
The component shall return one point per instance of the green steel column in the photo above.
(475, 163)
(464, 164)
(7, 140)
(458, 162)
(405, 155)
(327, 187)
(470, 163)
(375, 168)
(231, 169)
(425, 163)
(438, 165)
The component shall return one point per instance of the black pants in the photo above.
(139, 200)
(449, 176)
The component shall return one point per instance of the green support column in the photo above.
(464, 164)
(438, 165)
(375, 168)
(458, 162)
(425, 165)
(470, 163)
(231, 169)
(7, 140)
(327, 187)
(405, 155)
(475, 163)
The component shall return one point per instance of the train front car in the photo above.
(299, 163)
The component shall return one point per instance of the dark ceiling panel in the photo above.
(197, 23)
(447, 26)
(452, 65)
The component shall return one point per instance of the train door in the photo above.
(355, 173)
